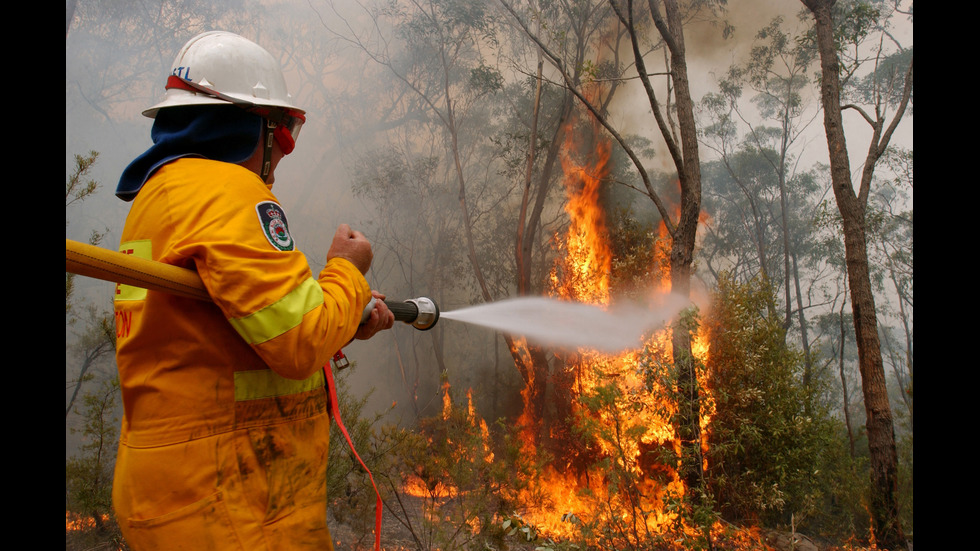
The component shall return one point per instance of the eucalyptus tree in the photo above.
(890, 236)
(840, 31)
(417, 246)
(502, 140)
(117, 51)
(673, 114)
(779, 199)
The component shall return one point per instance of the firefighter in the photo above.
(225, 429)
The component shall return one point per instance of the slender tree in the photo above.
(852, 205)
(892, 253)
(777, 74)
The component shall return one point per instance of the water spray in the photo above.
(557, 323)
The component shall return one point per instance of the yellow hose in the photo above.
(91, 261)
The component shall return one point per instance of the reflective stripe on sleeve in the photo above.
(280, 316)
(265, 383)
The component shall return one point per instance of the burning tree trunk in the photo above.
(533, 361)
(687, 160)
(536, 365)
(881, 433)
(680, 136)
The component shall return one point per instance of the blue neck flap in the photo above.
(221, 133)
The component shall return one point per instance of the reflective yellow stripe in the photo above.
(280, 316)
(141, 249)
(266, 383)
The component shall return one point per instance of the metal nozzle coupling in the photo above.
(421, 313)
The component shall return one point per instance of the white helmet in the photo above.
(220, 67)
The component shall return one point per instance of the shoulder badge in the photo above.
(273, 221)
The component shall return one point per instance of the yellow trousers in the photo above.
(251, 489)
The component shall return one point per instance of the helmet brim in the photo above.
(181, 98)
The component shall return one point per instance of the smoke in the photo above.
(116, 62)
(562, 324)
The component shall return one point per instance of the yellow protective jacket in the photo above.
(225, 430)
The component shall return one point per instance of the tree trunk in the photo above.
(804, 338)
(881, 433)
(682, 248)
(880, 427)
(843, 381)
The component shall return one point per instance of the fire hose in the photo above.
(99, 263)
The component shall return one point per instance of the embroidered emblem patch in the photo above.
(273, 221)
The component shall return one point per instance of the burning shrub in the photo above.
(641, 504)
(447, 485)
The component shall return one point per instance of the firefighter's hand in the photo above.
(353, 246)
(380, 319)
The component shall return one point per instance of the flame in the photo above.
(417, 485)
(582, 274)
(413, 485)
(75, 521)
(479, 422)
(577, 481)
(447, 403)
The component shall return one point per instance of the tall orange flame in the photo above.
(582, 274)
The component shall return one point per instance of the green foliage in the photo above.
(88, 474)
(515, 527)
(775, 453)
(77, 189)
(777, 71)
(640, 256)
(855, 21)
(486, 80)
(862, 37)
(886, 82)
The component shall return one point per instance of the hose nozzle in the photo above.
(421, 313)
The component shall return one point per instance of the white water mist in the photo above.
(563, 324)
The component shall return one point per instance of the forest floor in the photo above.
(395, 536)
